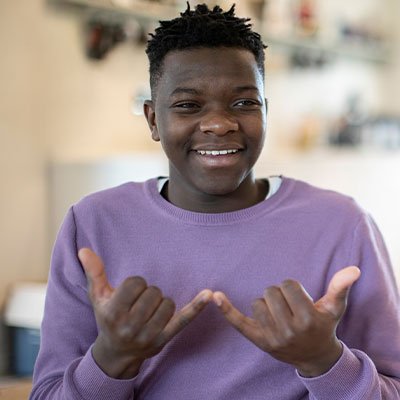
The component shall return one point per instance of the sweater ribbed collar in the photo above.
(227, 218)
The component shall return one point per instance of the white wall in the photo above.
(87, 103)
(54, 105)
(22, 157)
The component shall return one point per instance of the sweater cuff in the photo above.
(349, 378)
(92, 383)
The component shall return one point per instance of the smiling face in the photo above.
(210, 116)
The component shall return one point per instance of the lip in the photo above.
(217, 161)
(218, 147)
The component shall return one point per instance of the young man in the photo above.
(213, 233)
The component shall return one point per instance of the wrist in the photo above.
(114, 365)
(322, 364)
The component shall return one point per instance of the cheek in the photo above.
(164, 130)
(256, 133)
(172, 142)
(175, 133)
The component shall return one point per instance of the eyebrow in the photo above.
(180, 90)
(238, 89)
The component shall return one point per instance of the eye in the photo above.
(247, 103)
(187, 105)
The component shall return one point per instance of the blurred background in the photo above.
(73, 76)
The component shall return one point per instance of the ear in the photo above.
(266, 106)
(150, 114)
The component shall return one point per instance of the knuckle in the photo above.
(197, 306)
(125, 334)
(159, 341)
(227, 309)
(140, 311)
(154, 291)
(271, 291)
(139, 280)
(142, 340)
(91, 295)
(290, 284)
(169, 304)
(305, 323)
(307, 329)
(288, 335)
(110, 318)
(257, 303)
(134, 282)
(275, 343)
(183, 321)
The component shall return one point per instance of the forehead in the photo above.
(213, 67)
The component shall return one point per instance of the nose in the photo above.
(218, 124)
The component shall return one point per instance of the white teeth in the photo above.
(216, 152)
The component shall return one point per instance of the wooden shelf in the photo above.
(139, 10)
(12, 388)
(145, 11)
(361, 52)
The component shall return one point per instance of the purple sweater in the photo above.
(301, 232)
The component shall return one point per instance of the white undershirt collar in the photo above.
(273, 181)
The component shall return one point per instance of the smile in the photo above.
(216, 152)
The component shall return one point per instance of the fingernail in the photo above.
(204, 297)
(81, 253)
(218, 301)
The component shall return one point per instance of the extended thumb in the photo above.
(95, 274)
(335, 298)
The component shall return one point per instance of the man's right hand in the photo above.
(135, 321)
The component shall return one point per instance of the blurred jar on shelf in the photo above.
(305, 18)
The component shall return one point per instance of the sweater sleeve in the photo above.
(65, 368)
(369, 367)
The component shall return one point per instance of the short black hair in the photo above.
(199, 28)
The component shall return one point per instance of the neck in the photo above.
(249, 193)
